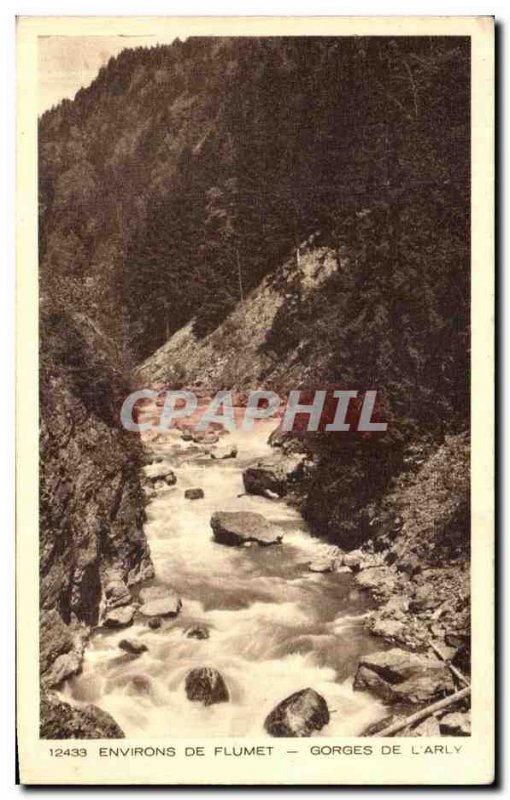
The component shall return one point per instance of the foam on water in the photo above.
(274, 626)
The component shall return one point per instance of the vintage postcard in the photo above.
(255, 434)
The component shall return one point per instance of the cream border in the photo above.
(475, 763)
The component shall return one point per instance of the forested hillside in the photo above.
(186, 173)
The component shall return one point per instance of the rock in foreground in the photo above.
(222, 453)
(238, 527)
(206, 685)
(274, 476)
(61, 721)
(298, 715)
(399, 676)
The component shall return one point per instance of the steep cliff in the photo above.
(91, 507)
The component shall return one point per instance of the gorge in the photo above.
(238, 214)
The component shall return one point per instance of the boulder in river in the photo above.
(197, 632)
(224, 451)
(238, 527)
(274, 476)
(154, 623)
(160, 472)
(400, 676)
(119, 617)
(194, 494)
(206, 685)
(132, 646)
(298, 715)
(322, 564)
(167, 605)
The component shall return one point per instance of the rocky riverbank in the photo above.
(92, 545)
(414, 564)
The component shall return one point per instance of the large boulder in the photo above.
(239, 527)
(119, 617)
(274, 476)
(59, 720)
(167, 605)
(298, 715)
(206, 685)
(399, 676)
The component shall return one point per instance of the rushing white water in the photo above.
(275, 627)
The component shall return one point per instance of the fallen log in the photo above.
(425, 712)
(455, 672)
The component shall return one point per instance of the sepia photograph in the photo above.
(254, 333)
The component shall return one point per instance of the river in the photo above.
(275, 627)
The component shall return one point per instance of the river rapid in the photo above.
(275, 627)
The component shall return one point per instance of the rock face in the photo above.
(92, 544)
(238, 527)
(298, 715)
(206, 685)
(194, 494)
(61, 721)
(399, 676)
